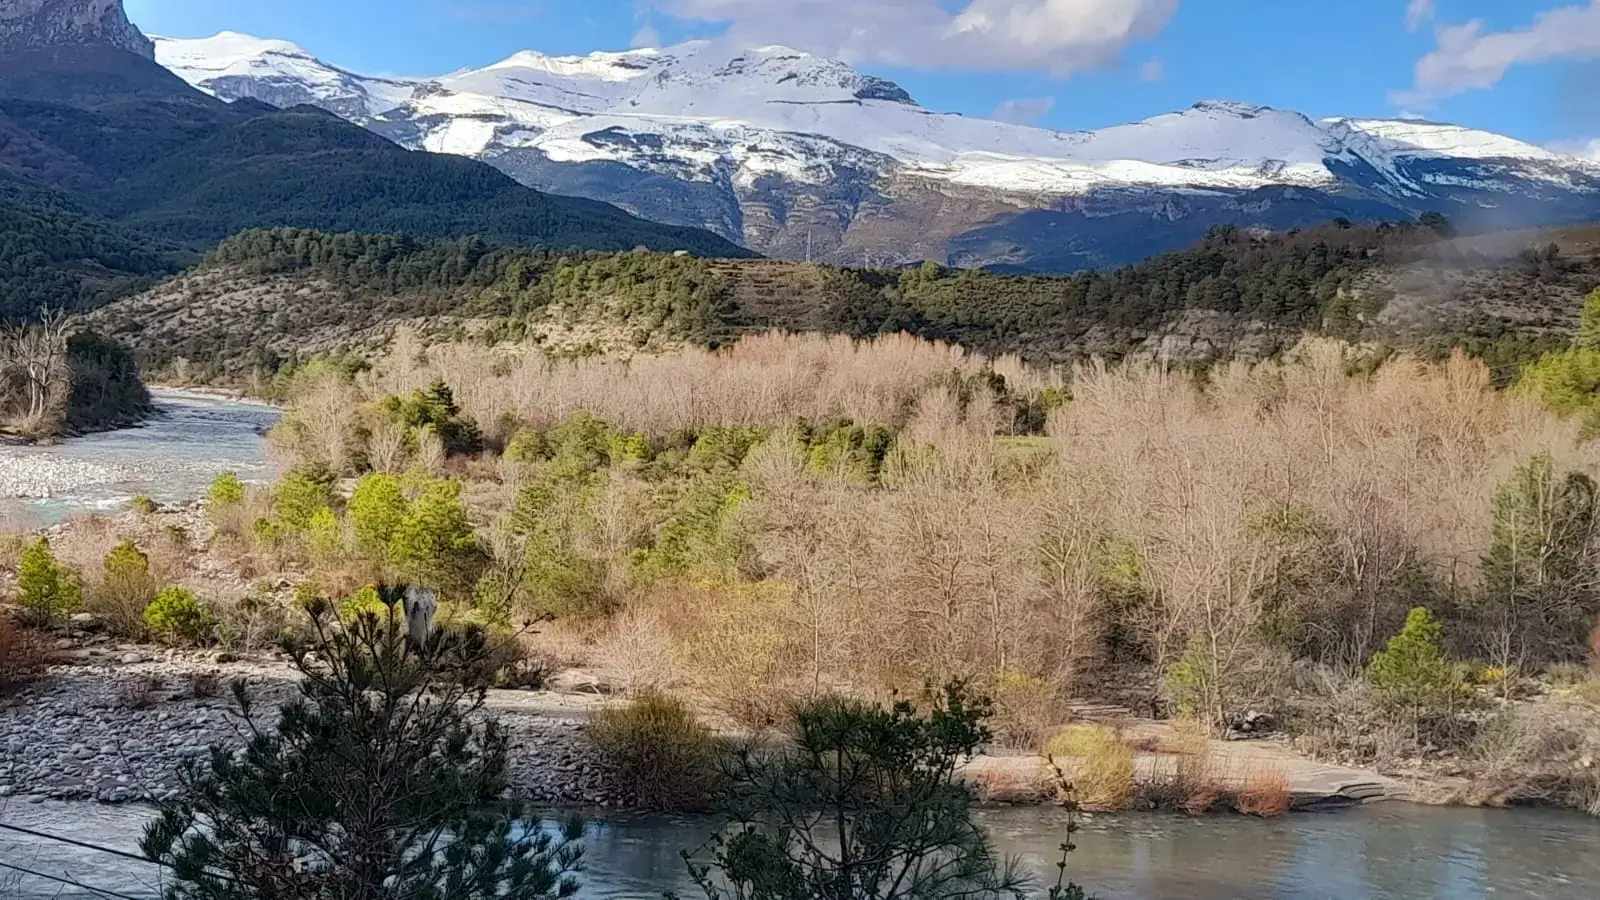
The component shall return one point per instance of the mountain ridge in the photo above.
(31, 24)
(796, 155)
(100, 141)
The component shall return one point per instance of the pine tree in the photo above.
(1540, 591)
(380, 781)
(1411, 674)
(434, 543)
(865, 805)
(45, 587)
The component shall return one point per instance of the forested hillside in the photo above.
(57, 258)
(122, 138)
(289, 293)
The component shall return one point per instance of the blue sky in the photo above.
(1521, 67)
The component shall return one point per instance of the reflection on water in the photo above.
(171, 458)
(1387, 852)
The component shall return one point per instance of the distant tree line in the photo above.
(1310, 280)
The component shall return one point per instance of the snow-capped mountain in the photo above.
(793, 154)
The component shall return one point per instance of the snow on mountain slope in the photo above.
(771, 145)
(236, 64)
(707, 104)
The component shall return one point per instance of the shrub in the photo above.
(434, 545)
(366, 600)
(46, 587)
(1594, 647)
(434, 409)
(176, 614)
(657, 753)
(1412, 671)
(205, 684)
(125, 589)
(1024, 709)
(140, 692)
(300, 495)
(381, 776)
(1187, 774)
(144, 506)
(376, 509)
(253, 622)
(325, 537)
(509, 664)
(1099, 764)
(226, 490)
(1265, 793)
(1566, 674)
(895, 822)
(526, 446)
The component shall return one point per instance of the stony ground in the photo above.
(116, 722)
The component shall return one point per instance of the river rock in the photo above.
(72, 736)
(88, 622)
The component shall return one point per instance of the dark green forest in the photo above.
(54, 257)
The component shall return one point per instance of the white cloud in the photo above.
(1152, 70)
(1469, 58)
(1419, 13)
(1023, 111)
(1581, 149)
(1059, 36)
(646, 36)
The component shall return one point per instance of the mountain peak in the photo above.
(36, 24)
(1232, 107)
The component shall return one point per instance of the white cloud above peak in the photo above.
(1471, 58)
(1589, 150)
(1026, 111)
(1058, 36)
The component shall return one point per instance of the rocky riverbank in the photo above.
(114, 723)
(30, 475)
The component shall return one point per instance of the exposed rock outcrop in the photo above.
(35, 24)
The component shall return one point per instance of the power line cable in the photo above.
(68, 881)
(76, 843)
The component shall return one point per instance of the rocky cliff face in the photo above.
(34, 24)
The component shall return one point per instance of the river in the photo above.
(170, 458)
(1378, 852)
(1387, 851)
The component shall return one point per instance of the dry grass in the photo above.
(1097, 763)
(1265, 793)
(1188, 776)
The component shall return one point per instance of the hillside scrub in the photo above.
(1237, 293)
(862, 517)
